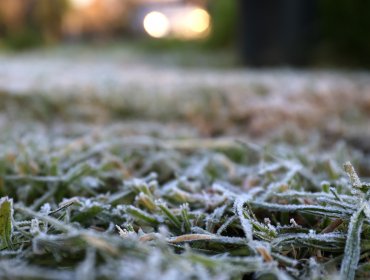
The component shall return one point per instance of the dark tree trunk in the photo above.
(276, 32)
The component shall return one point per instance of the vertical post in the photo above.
(276, 32)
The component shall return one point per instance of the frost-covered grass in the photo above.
(111, 82)
(114, 204)
(110, 172)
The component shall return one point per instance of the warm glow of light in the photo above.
(156, 24)
(198, 20)
(79, 4)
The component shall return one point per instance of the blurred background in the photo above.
(224, 66)
(266, 32)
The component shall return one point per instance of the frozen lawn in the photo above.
(113, 166)
(101, 85)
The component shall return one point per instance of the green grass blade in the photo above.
(353, 246)
(6, 227)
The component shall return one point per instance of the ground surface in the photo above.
(124, 165)
(105, 83)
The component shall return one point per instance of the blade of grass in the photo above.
(6, 216)
(353, 245)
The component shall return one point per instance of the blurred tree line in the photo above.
(341, 29)
(345, 30)
(342, 26)
(27, 23)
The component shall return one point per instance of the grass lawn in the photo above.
(196, 186)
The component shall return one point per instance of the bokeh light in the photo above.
(198, 20)
(156, 24)
(80, 4)
(189, 22)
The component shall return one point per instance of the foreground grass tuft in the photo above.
(110, 206)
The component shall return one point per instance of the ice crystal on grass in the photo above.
(353, 244)
(114, 207)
